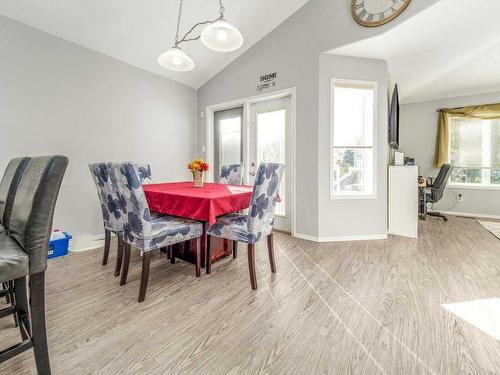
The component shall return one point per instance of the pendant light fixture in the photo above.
(218, 35)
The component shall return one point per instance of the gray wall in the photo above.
(293, 50)
(418, 138)
(57, 97)
(353, 217)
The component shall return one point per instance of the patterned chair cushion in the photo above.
(144, 173)
(231, 174)
(141, 228)
(260, 219)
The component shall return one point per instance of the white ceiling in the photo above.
(450, 49)
(138, 31)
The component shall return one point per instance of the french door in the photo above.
(269, 140)
(253, 133)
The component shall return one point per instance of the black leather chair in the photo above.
(435, 190)
(23, 253)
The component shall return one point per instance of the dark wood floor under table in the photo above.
(371, 307)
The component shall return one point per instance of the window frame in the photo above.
(356, 84)
(468, 185)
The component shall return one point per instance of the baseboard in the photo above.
(85, 242)
(367, 237)
(471, 215)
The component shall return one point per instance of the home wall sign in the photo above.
(266, 81)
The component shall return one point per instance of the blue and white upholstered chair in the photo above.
(110, 206)
(231, 174)
(259, 221)
(144, 231)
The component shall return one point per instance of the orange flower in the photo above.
(198, 165)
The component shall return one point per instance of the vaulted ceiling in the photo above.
(450, 49)
(138, 31)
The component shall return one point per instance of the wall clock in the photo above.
(373, 13)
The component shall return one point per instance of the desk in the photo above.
(403, 200)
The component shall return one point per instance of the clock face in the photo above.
(377, 12)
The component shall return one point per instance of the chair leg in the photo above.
(5, 287)
(126, 263)
(198, 257)
(39, 329)
(270, 250)
(208, 256)
(22, 307)
(251, 265)
(107, 243)
(172, 253)
(437, 214)
(169, 252)
(146, 260)
(235, 249)
(10, 292)
(119, 256)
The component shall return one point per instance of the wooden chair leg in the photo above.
(22, 307)
(126, 263)
(208, 257)
(39, 330)
(172, 253)
(198, 257)
(251, 265)
(235, 249)
(146, 260)
(119, 256)
(5, 287)
(169, 252)
(270, 250)
(107, 243)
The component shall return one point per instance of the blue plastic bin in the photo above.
(59, 247)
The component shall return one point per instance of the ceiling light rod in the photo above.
(186, 38)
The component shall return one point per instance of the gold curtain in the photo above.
(483, 112)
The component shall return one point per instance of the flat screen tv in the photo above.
(394, 120)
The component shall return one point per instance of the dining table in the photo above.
(203, 204)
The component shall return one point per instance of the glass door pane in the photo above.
(227, 138)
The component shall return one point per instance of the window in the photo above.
(352, 154)
(475, 151)
(228, 139)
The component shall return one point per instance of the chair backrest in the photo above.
(231, 174)
(440, 182)
(136, 216)
(34, 205)
(108, 197)
(8, 188)
(144, 173)
(263, 202)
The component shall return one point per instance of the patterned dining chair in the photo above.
(110, 206)
(231, 174)
(145, 231)
(258, 223)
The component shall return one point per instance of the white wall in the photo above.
(293, 50)
(59, 98)
(418, 132)
(352, 218)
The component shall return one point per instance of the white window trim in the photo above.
(353, 195)
(485, 171)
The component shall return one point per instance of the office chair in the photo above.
(435, 189)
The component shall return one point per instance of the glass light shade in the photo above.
(220, 36)
(176, 59)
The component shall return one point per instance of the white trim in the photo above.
(85, 242)
(245, 102)
(455, 185)
(469, 214)
(366, 237)
(357, 83)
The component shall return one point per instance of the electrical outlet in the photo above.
(460, 197)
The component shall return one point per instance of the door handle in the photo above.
(252, 173)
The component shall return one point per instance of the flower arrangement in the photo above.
(197, 167)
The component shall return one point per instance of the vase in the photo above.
(198, 179)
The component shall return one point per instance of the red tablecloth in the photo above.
(203, 204)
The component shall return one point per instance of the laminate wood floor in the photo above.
(372, 307)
